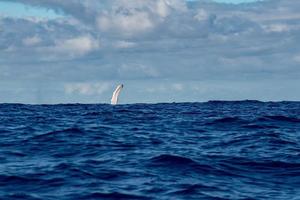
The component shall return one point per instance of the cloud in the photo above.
(31, 41)
(178, 86)
(297, 58)
(86, 88)
(124, 44)
(132, 18)
(201, 15)
(128, 25)
(137, 71)
(76, 46)
(277, 28)
(172, 41)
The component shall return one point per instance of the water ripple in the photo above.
(212, 150)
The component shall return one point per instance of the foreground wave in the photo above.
(213, 150)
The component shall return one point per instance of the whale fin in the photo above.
(115, 96)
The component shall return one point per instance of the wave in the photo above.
(53, 134)
(214, 150)
(185, 164)
(227, 120)
(270, 165)
(167, 159)
(235, 102)
(29, 180)
(259, 126)
(86, 170)
(21, 196)
(279, 118)
(113, 195)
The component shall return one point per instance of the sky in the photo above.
(77, 51)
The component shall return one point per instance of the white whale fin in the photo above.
(115, 96)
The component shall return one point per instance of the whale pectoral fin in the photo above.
(116, 93)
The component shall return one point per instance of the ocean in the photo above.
(213, 150)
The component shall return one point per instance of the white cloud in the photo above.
(124, 44)
(297, 58)
(129, 25)
(201, 15)
(77, 46)
(162, 8)
(132, 70)
(86, 88)
(126, 18)
(157, 89)
(130, 18)
(178, 86)
(152, 40)
(31, 41)
(165, 7)
(166, 87)
(277, 28)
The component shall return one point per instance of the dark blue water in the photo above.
(214, 150)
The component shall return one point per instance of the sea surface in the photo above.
(213, 150)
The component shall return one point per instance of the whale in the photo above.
(116, 93)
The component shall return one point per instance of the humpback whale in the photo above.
(115, 96)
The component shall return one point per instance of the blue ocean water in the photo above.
(214, 150)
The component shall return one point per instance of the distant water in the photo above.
(214, 150)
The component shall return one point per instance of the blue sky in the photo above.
(233, 1)
(21, 10)
(162, 50)
(236, 1)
